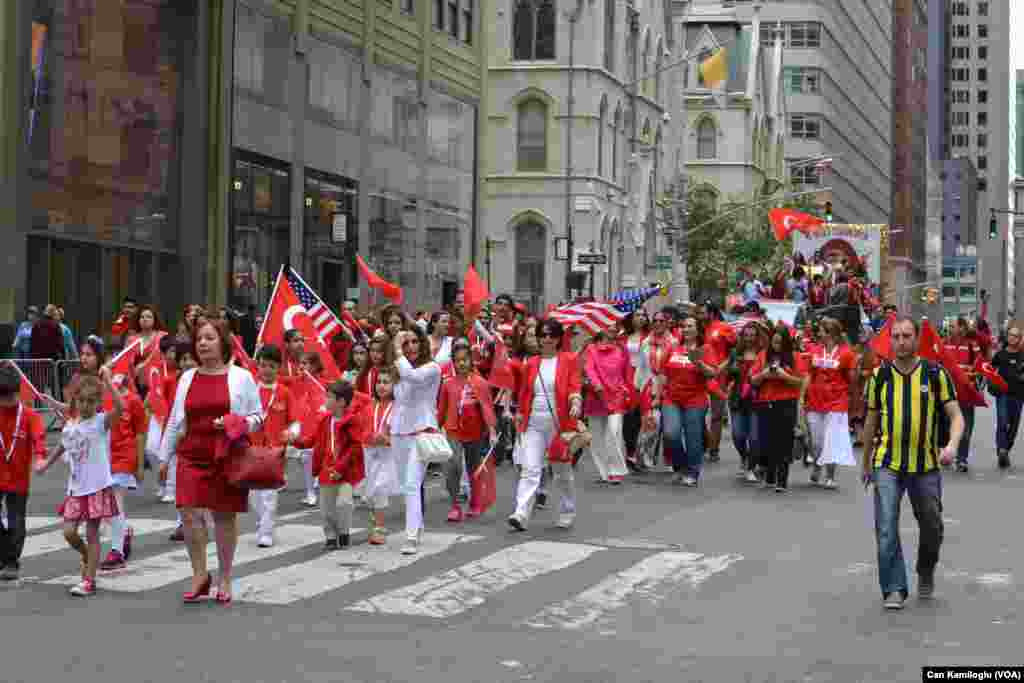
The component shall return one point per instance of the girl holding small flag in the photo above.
(465, 411)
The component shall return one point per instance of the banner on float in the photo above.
(862, 240)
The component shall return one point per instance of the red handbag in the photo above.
(254, 467)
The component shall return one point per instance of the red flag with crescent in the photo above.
(286, 312)
(986, 370)
(785, 221)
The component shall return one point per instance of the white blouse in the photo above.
(639, 358)
(245, 402)
(415, 397)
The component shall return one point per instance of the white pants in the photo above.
(264, 506)
(411, 474)
(533, 458)
(170, 486)
(608, 448)
(830, 439)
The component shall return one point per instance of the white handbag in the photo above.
(433, 447)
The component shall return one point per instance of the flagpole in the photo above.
(277, 283)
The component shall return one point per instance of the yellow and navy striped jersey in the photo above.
(909, 407)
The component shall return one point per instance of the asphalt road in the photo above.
(656, 583)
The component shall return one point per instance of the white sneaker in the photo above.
(412, 545)
(167, 498)
(310, 501)
(566, 520)
(689, 481)
(751, 478)
(830, 484)
(265, 541)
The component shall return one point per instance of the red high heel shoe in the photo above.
(197, 595)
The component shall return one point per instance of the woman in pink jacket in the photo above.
(606, 363)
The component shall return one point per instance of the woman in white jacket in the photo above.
(415, 412)
(205, 396)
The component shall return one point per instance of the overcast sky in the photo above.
(1016, 35)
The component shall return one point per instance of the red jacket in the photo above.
(29, 444)
(467, 425)
(341, 455)
(568, 383)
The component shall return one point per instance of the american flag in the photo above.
(598, 316)
(326, 323)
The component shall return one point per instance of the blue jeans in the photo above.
(744, 435)
(1007, 420)
(685, 426)
(925, 493)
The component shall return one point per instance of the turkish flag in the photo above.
(966, 392)
(240, 356)
(122, 366)
(785, 221)
(27, 393)
(483, 491)
(881, 344)
(388, 289)
(474, 293)
(985, 369)
(286, 312)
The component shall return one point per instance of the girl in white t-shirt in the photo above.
(85, 445)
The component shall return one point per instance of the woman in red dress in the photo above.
(195, 429)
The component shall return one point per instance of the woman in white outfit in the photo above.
(606, 363)
(440, 341)
(415, 412)
(548, 387)
(833, 369)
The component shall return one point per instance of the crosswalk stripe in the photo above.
(51, 541)
(33, 523)
(167, 568)
(288, 584)
(649, 580)
(452, 592)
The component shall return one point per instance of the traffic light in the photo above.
(993, 226)
(828, 212)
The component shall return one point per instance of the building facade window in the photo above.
(982, 75)
(251, 29)
(707, 139)
(962, 96)
(804, 126)
(959, 140)
(961, 118)
(803, 79)
(804, 34)
(602, 121)
(982, 118)
(982, 140)
(805, 175)
(609, 35)
(532, 141)
(983, 52)
(962, 31)
(530, 261)
(334, 88)
(533, 30)
(983, 30)
(467, 21)
(982, 9)
(439, 15)
(982, 163)
(408, 6)
(960, 9)
(983, 97)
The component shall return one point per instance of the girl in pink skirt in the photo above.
(85, 445)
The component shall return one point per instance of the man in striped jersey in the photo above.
(904, 399)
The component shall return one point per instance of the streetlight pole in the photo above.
(573, 17)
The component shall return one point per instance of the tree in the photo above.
(728, 237)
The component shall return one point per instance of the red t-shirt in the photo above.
(686, 385)
(773, 389)
(124, 445)
(28, 444)
(281, 411)
(829, 390)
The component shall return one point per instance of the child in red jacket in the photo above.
(466, 413)
(336, 437)
(22, 440)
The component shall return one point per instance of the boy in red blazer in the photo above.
(336, 436)
(22, 440)
(466, 413)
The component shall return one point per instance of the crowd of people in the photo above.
(442, 395)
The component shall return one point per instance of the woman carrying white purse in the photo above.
(414, 418)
